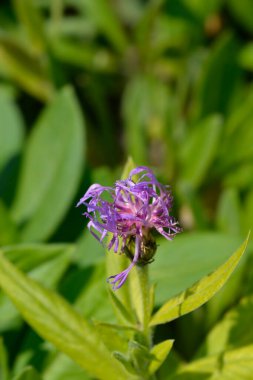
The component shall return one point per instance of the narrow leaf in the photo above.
(21, 65)
(28, 373)
(11, 130)
(51, 169)
(160, 352)
(236, 365)
(54, 319)
(101, 12)
(4, 370)
(200, 292)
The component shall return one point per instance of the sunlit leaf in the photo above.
(45, 264)
(236, 365)
(233, 331)
(200, 252)
(53, 318)
(200, 292)
(160, 352)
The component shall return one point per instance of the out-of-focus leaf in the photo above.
(53, 318)
(52, 168)
(102, 14)
(160, 352)
(241, 177)
(170, 32)
(71, 26)
(83, 56)
(232, 332)
(63, 368)
(145, 107)
(88, 251)
(236, 365)
(199, 150)
(203, 9)
(25, 69)
(246, 56)
(242, 13)
(28, 373)
(93, 301)
(200, 253)
(44, 264)
(248, 211)
(200, 292)
(28, 14)
(228, 212)
(8, 229)
(4, 369)
(219, 78)
(11, 130)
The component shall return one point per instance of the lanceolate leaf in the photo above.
(53, 318)
(236, 365)
(52, 167)
(160, 352)
(199, 293)
(4, 370)
(28, 373)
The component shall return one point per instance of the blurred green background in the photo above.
(84, 84)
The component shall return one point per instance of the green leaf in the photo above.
(45, 264)
(121, 309)
(236, 365)
(160, 352)
(242, 12)
(54, 319)
(227, 296)
(246, 56)
(200, 149)
(4, 369)
(232, 332)
(101, 12)
(28, 373)
(8, 229)
(51, 169)
(228, 212)
(145, 108)
(63, 368)
(200, 292)
(21, 65)
(200, 252)
(28, 14)
(203, 9)
(92, 301)
(140, 294)
(11, 130)
(219, 78)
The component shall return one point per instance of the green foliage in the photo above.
(84, 85)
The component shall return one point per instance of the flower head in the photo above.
(128, 213)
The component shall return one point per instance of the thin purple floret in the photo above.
(136, 205)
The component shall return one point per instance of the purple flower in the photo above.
(129, 212)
